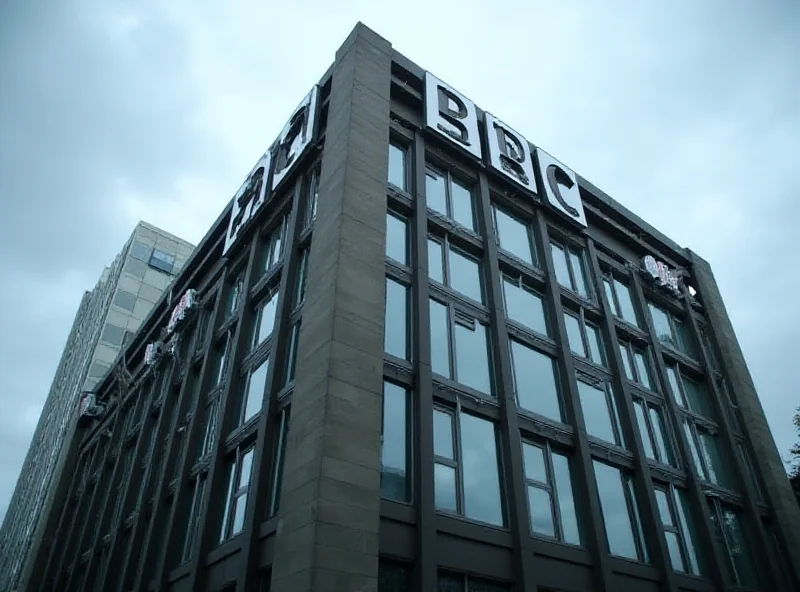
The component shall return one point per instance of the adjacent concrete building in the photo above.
(418, 353)
(107, 318)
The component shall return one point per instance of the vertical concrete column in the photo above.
(778, 491)
(327, 538)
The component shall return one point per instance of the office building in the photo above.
(107, 317)
(418, 353)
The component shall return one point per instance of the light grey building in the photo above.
(107, 317)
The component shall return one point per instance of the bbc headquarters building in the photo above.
(418, 353)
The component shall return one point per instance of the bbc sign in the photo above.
(455, 118)
(448, 113)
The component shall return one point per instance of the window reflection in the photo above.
(598, 413)
(440, 339)
(513, 236)
(615, 497)
(472, 357)
(397, 166)
(524, 307)
(534, 381)
(394, 444)
(482, 500)
(396, 239)
(396, 332)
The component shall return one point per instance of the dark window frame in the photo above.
(628, 350)
(409, 440)
(529, 228)
(432, 167)
(446, 244)
(588, 346)
(236, 492)
(570, 248)
(405, 148)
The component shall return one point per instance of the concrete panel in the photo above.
(156, 278)
(150, 293)
(141, 309)
(105, 353)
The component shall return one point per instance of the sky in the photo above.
(112, 111)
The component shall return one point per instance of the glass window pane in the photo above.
(689, 531)
(610, 297)
(397, 166)
(661, 436)
(246, 467)
(440, 340)
(596, 354)
(462, 205)
(396, 239)
(435, 261)
(674, 547)
(449, 583)
(472, 357)
(596, 412)
(512, 235)
(535, 382)
(685, 341)
(228, 502)
(578, 272)
(693, 448)
(697, 397)
(619, 527)
(641, 368)
(534, 462)
(394, 477)
(574, 335)
(625, 302)
(524, 307)
(661, 325)
(663, 507)
(435, 192)
(465, 275)
(623, 352)
(445, 487)
(640, 419)
(560, 265)
(396, 333)
(566, 501)
(238, 514)
(255, 390)
(715, 459)
(739, 549)
(266, 318)
(672, 375)
(442, 434)
(480, 470)
(392, 577)
(541, 511)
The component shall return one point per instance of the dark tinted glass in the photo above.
(481, 472)
(396, 239)
(524, 307)
(397, 166)
(396, 335)
(513, 237)
(394, 467)
(619, 527)
(535, 381)
(472, 357)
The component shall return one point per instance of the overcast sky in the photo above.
(110, 112)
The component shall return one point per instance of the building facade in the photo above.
(417, 352)
(108, 316)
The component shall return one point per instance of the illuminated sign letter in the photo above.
(295, 137)
(510, 153)
(251, 195)
(451, 115)
(661, 274)
(561, 187)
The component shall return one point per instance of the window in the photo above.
(277, 465)
(220, 361)
(449, 582)
(265, 318)
(312, 197)
(125, 300)
(619, 299)
(141, 251)
(620, 513)
(671, 331)
(450, 197)
(253, 393)
(653, 429)
(690, 394)
(203, 324)
(234, 296)
(514, 236)
(707, 454)
(291, 357)
(570, 268)
(162, 261)
(466, 469)
(393, 577)
(210, 434)
(600, 411)
(193, 524)
(584, 338)
(272, 248)
(733, 538)
(550, 498)
(396, 340)
(535, 381)
(463, 340)
(524, 306)
(236, 499)
(396, 238)
(113, 334)
(395, 473)
(637, 364)
(397, 166)
(302, 272)
(680, 539)
(452, 267)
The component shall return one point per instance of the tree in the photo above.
(794, 471)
